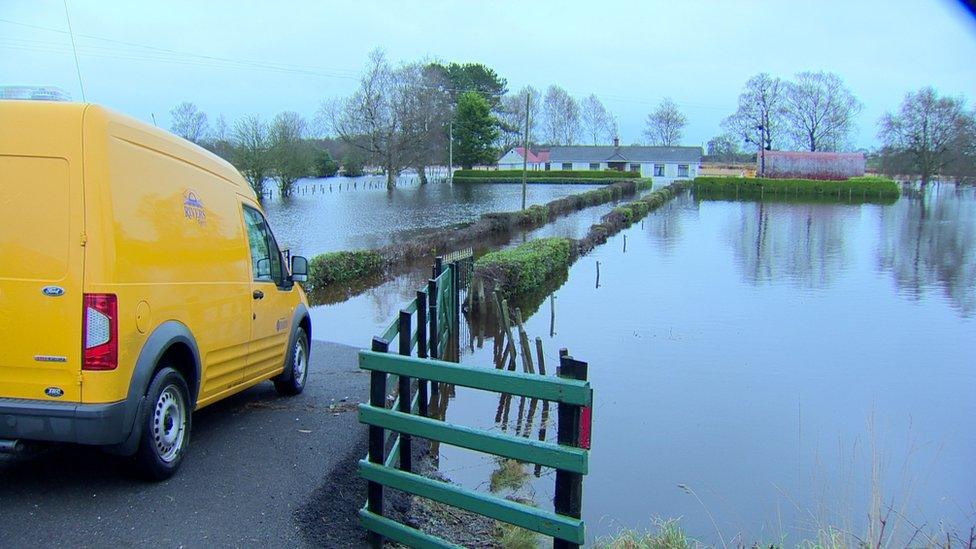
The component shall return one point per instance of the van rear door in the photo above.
(41, 270)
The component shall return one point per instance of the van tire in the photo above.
(292, 381)
(164, 441)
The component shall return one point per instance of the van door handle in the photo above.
(258, 294)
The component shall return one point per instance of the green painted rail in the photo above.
(432, 330)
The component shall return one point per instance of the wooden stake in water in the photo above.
(527, 366)
(597, 274)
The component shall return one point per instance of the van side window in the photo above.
(265, 256)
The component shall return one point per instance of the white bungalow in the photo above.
(662, 163)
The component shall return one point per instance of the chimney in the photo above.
(616, 142)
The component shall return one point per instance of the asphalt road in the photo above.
(262, 470)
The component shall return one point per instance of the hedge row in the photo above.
(518, 270)
(334, 267)
(542, 174)
(341, 267)
(868, 185)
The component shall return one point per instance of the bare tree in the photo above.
(290, 159)
(369, 118)
(424, 109)
(188, 122)
(560, 117)
(220, 131)
(512, 117)
(819, 111)
(665, 125)
(927, 130)
(251, 155)
(724, 147)
(759, 117)
(598, 124)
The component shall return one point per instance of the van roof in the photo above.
(177, 146)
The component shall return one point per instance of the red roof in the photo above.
(535, 157)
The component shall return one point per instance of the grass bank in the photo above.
(855, 187)
(519, 271)
(515, 271)
(344, 267)
(541, 176)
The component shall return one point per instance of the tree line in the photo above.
(928, 135)
(414, 115)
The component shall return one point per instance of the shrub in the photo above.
(352, 166)
(324, 165)
(333, 267)
(525, 267)
(869, 185)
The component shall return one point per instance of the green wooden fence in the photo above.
(429, 324)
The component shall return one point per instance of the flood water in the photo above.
(755, 365)
(347, 213)
(760, 369)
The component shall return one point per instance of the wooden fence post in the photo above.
(568, 498)
(422, 349)
(404, 390)
(377, 444)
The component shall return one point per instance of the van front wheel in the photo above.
(292, 381)
(166, 422)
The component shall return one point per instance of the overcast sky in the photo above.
(240, 57)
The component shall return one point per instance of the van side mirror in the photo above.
(299, 268)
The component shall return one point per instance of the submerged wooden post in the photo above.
(403, 389)
(422, 349)
(568, 498)
(542, 359)
(377, 446)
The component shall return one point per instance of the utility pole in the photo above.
(450, 151)
(525, 149)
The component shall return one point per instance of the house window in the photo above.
(567, 165)
(682, 170)
(547, 166)
(594, 166)
(658, 170)
(635, 168)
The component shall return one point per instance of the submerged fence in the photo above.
(430, 325)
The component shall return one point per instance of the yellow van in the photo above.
(139, 281)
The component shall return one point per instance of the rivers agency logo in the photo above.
(193, 208)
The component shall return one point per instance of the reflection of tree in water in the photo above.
(800, 242)
(931, 241)
(664, 224)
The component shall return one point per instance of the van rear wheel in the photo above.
(166, 422)
(292, 381)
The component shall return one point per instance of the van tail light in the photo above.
(100, 332)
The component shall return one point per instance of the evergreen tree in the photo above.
(475, 131)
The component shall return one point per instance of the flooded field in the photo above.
(346, 213)
(764, 365)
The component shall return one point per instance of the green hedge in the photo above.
(874, 186)
(525, 267)
(543, 174)
(333, 267)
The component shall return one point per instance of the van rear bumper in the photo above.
(98, 424)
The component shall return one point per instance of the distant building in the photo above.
(666, 163)
(513, 159)
(35, 93)
(810, 165)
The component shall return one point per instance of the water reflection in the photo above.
(929, 241)
(803, 243)
(352, 213)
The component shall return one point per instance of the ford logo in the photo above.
(54, 392)
(52, 291)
